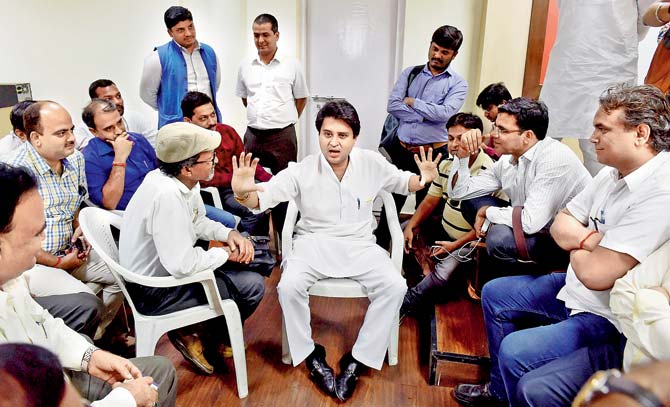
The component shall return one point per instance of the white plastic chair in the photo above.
(95, 224)
(216, 200)
(345, 287)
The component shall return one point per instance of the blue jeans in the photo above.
(219, 215)
(533, 339)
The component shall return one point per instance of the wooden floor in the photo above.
(335, 323)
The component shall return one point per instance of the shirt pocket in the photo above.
(282, 88)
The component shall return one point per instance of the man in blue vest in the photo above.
(179, 66)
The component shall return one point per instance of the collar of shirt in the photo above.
(638, 178)
(41, 166)
(197, 47)
(449, 71)
(277, 58)
(184, 189)
(325, 165)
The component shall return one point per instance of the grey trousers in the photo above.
(80, 311)
(158, 367)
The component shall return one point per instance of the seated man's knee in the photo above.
(514, 351)
(500, 242)
(531, 390)
(292, 285)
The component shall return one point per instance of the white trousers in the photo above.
(385, 287)
(44, 281)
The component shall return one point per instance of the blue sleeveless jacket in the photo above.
(174, 84)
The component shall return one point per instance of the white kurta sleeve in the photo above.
(174, 246)
(644, 314)
(283, 187)
(468, 187)
(151, 80)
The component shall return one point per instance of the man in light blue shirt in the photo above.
(423, 104)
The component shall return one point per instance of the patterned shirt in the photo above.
(62, 194)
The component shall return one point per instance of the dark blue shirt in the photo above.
(99, 156)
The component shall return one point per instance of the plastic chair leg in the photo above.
(236, 335)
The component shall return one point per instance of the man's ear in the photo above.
(93, 131)
(21, 134)
(642, 134)
(34, 136)
(187, 120)
(169, 33)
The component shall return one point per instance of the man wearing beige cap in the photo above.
(163, 220)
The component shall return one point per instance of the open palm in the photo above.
(427, 166)
(243, 175)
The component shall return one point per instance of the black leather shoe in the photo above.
(476, 395)
(346, 381)
(322, 374)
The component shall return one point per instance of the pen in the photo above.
(358, 201)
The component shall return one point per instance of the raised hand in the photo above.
(471, 141)
(427, 166)
(243, 175)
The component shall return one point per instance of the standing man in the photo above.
(423, 107)
(199, 110)
(133, 122)
(177, 67)
(274, 91)
(541, 329)
(66, 261)
(334, 192)
(596, 47)
(116, 160)
(94, 372)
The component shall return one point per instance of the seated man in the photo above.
(454, 232)
(541, 329)
(17, 136)
(161, 224)
(66, 262)
(132, 122)
(335, 191)
(198, 109)
(539, 174)
(489, 99)
(116, 161)
(94, 371)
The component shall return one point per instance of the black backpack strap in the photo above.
(412, 74)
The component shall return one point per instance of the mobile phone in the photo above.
(485, 226)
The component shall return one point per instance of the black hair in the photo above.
(267, 18)
(88, 114)
(100, 83)
(530, 115)
(193, 100)
(448, 37)
(341, 110)
(175, 15)
(14, 183)
(467, 120)
(494, 94)
(37, 370)
(174, 169)
(16, 115)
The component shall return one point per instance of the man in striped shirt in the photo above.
(66, 261)
(539, 174)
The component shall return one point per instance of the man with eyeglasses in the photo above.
(116, 161)
(66, 262)
(548, 334)
(161, 224)
(538, 174)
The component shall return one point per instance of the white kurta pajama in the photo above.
(334, 239)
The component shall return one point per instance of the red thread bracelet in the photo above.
(581, 244)
(118, 164)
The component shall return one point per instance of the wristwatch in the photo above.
(611, 381)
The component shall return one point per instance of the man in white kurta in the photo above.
(334, 192)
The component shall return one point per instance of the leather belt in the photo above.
(414, 148)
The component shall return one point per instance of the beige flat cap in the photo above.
(181, 140)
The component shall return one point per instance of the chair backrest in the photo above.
(391, 218)
(96, 224)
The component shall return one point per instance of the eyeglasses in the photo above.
(500, 132)
(214, 160)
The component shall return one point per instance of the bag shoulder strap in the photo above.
(519, 238)
(412, 74)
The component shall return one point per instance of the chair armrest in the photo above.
(167, 281)
(397, 238)
(289, 226)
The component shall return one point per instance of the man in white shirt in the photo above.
(537, 173)
(94, 372)
(179, 66)
(596, 47)
(161, 224)
(334, 192)
(274, 91)
(17, 136)
(133, 122)
(541, 328)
